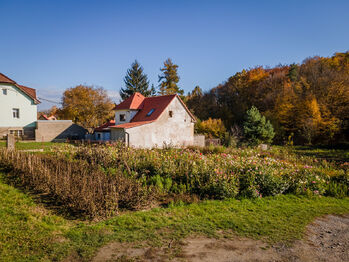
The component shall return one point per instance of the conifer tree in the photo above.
(257, 129)
(168, 79)
(136, 81)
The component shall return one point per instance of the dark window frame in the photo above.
(15, 113)
(122, 117)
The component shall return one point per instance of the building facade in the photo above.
(18, 108)
(149, 122)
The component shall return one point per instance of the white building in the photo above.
(18, 108)
(149, 122)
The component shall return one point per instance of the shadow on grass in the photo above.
(329, 154)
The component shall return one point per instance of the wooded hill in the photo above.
(307, 103)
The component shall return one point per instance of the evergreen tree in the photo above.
(136, 81)
(257, 129)
(169, 78)
(293, 72)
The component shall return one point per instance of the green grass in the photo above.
(29, 232)
(32, 145)
(338, 155)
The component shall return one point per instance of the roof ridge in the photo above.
(8, 78)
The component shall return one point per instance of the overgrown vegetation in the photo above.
(99, 180)
(77, 185)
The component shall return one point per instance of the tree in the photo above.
(293, 72)
(136, 81)
(168, 79)
(211, 128)
(87, 106)
(257, 129)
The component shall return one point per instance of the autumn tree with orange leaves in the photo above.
(87, 106)
(307, 103)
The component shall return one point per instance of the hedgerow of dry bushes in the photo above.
(80, 186)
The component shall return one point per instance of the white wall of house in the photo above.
(16, 99)
(129, 114)
(177, 130)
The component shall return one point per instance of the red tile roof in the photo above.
(105, 126)
(31, 92)
(133, 124)
(5, 79)
(133, 102)
(145, 105)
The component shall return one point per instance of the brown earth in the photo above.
(326, 239)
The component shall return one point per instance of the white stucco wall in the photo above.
(177, 130)
(16, 99)
(129, 114)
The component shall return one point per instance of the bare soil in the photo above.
(326, 239)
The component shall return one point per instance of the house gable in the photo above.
(148, 110)
(26, 91)
(18, 104)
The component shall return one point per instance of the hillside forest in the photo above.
(307, 103)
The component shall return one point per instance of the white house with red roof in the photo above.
(18, 107)
(149, 122)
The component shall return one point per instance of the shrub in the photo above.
(271, 185)
(337, 190)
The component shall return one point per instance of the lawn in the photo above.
(32, 232)
(21, 145)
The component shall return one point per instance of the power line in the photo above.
(51, 101)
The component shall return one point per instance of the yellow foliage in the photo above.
(212, 128)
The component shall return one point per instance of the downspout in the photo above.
(127, 141)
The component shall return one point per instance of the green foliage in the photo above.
(337, 190)
(169, 78)
(293, 72)
(257, 129)
(136, 81)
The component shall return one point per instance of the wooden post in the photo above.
(10, 142)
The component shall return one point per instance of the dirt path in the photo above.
(327, 239)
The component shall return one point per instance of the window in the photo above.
(150, 112)
(17, 133)
(122, 117)
(15, 112)
(4, 91)
(170, 113)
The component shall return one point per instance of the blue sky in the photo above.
(54, 45)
